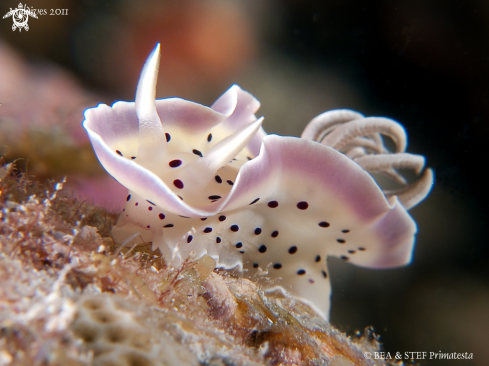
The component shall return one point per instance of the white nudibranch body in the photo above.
(208, 180)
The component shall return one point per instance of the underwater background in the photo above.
(422, 63)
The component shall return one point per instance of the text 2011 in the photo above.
(51, 11)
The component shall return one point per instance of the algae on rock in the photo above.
(70, 296)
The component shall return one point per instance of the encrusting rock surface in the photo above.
(70, 296)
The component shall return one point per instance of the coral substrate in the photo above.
(70, 296)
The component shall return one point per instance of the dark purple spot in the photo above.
(230, 182)
(147, 226)
(301, 272)
(254, 201)
(178, 183)
(168, 137)
(133, 157)
(345, 231)
(302, 205)
(239, 245)
(258, 231)
(318, 258)
(273, 204)
(234, 228)
(180, 197)
(352, 251)
(118, 152)
(189, 238)
(218, 179)
(161, 216)
(341, 241)
(207, 230)
(197, 152)
(293, 250)
(262, 248)
(151, 203)
(311, 281)
(209, 137)
(241, 251)
(203, 218)
(275, 234)
(255, 265)
(123, 209)
(137, 203)
(169, 225)
(324, 274)
(277, 266)
(324, 224)
(218, 240)
(222, 218)
(185, 217)
(361, 248)
(128, 198)
(175, 163)
(150, 208)
(344, 257)
(249, 158)
(214, 197)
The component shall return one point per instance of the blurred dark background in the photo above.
(422, 63)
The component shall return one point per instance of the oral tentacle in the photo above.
(414, 193)
(366, 142)
(345, 134)
(325, 122)
(356, 152)
(393, 175)
(384, 162)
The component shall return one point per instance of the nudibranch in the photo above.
(208, 180)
